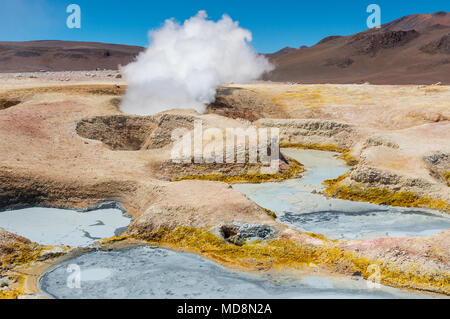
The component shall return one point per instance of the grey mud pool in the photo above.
(299, 204)
(148, 272)
(54, 226)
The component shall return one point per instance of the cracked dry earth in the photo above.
(69, 146)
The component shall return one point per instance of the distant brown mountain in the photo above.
(411, 50)
(63, 56)
(283, 51)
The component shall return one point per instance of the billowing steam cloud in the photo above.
(184, 64)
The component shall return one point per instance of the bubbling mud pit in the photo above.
(299, 204)
(52, 226)
(147, 272)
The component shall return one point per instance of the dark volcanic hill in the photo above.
(63, 56)
(283, 51)
(411, 50)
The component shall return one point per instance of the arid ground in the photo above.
(65, 143)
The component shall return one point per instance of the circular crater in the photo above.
(133, 133)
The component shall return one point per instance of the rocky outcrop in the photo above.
(372, 185)
(4, 104)
(438, 164)
(373, 177)
(379, 140)
(166, 124)
(439, 46)
(24, 190)
(15, 251)
(372, 42)
(313, 131)
(49, 156)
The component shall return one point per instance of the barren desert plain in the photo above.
(64, 143)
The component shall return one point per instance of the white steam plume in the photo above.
(184, 64)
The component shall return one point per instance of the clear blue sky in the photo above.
(274, 23)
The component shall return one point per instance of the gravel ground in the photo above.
(65, 75)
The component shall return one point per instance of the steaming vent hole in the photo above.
(230, 233)
(239, 233)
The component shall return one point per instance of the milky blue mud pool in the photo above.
(148, 272)
(298, 203)
(54, 226)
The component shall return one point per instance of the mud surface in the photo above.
(51, 226)
(145, 272)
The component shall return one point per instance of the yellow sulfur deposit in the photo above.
(382, 196)
(293, 171)
(284, 253)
